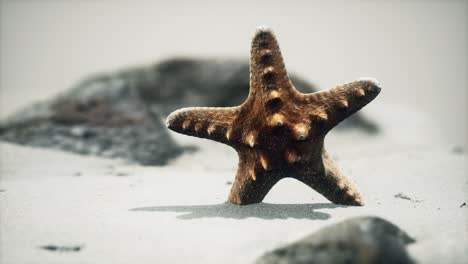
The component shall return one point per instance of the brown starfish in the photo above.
(278, 132)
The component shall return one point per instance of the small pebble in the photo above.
(406, 197)
(61, 248)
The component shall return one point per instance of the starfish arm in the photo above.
(333, 184)
(333, 106)
(205, 122)
(267, 70)
(252, 181)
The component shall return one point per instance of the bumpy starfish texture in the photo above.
(279, 132)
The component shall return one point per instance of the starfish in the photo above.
(279, 132)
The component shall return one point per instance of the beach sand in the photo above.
(125, 213)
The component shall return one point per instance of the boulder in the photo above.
(357, 240)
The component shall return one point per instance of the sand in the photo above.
(125, 213)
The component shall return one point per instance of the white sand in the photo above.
(177, 214)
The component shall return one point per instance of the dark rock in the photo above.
(463, 204)
(110, 121)
(147, 144)
(357, 240)
(62, 248)
(120, 115)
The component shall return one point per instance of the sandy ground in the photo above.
(122, 213)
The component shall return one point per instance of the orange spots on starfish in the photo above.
(321, 118)
(268, 73)
(186, 124)
(251, 140)
(277, 120)
(265, 55)
(264, 162)
(360, 93)
(301, 131)
(252, 174)
(274, 95)
(342, 104)
(274, 100)
(211, 129)
(228, 133)
(292, 156)
(341, 185)
(359, 201)
(350, 193)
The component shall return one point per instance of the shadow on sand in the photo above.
(260, 210)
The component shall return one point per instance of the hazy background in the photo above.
(417, 49)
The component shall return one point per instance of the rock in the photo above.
(119, 115)
(357, 240)
(62, 248)
(147, 143)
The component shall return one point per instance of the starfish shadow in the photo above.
(260, 210)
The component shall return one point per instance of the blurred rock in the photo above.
(357, 240)
(114, 124)
(120, 115)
